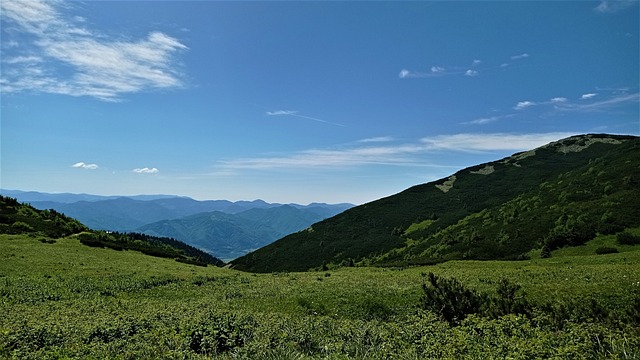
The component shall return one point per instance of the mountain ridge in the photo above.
(126, 213)
(542, 197)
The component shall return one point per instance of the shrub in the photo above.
(219, 333)
(449, 298)
(509, 300)
(625, 238)
(22, 226)
(606, 250)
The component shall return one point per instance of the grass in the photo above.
(66, 300)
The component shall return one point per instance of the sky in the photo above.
(301, 102)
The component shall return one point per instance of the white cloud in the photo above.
(487, 120)
(557, 100)
(377, 139)
(146, 170)
(612, 6)
(414, 154)
(493, 142)
(99, 67)
(437, 69)
(406, 74)
(601, 105)
(520, 56)
(524, 104)
(476, 62)
(588, 96)
(471, 73)
(281, 112)
(82, 165)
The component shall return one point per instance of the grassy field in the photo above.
(66, 300)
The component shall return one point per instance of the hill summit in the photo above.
(560, 194)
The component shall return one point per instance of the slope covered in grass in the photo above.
(67, 300)
(561, 194)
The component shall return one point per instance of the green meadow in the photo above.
(61, 299)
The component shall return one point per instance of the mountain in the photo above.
(231, 235)
(126, 213)
(559, 194)
(23, 219)
(35, 196)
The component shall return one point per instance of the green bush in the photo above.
(449, 298)
(625, 238)
(219, 333)
(606, 250)
(22, 226)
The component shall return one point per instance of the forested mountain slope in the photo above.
(48, 225)
(559, 194)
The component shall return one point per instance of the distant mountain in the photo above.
(35, 196)
(23, 219)
(228, 236)
(559, 194)
(131, 212)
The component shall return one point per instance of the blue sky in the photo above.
(300, 101)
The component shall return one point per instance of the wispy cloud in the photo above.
(583, 104)
(296, 114)
(487, 120)
(146, 170)
(601, 105)
(414, 154)
(407, 74)
(493, 142)
(94, 65)
(281, 112)
(612, 6)
(378, 139)
(82, 165)
(520, 56)
(524, 104)
(477, 67)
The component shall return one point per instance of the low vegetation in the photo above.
(68, 300)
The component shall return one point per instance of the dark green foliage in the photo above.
(453, 302)
(17, 218)
(509, 299)
(219, 333)
(626, 238)
(449, 298)
(149, 245)
(606, 250)
(561, 194)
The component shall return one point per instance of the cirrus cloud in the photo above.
(146, 170)
(94, 65)
(82, 165)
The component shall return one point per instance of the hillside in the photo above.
(229, 236)
(559, 194)
(49, 225)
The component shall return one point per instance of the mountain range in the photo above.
(223, 228)
(560, 194)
